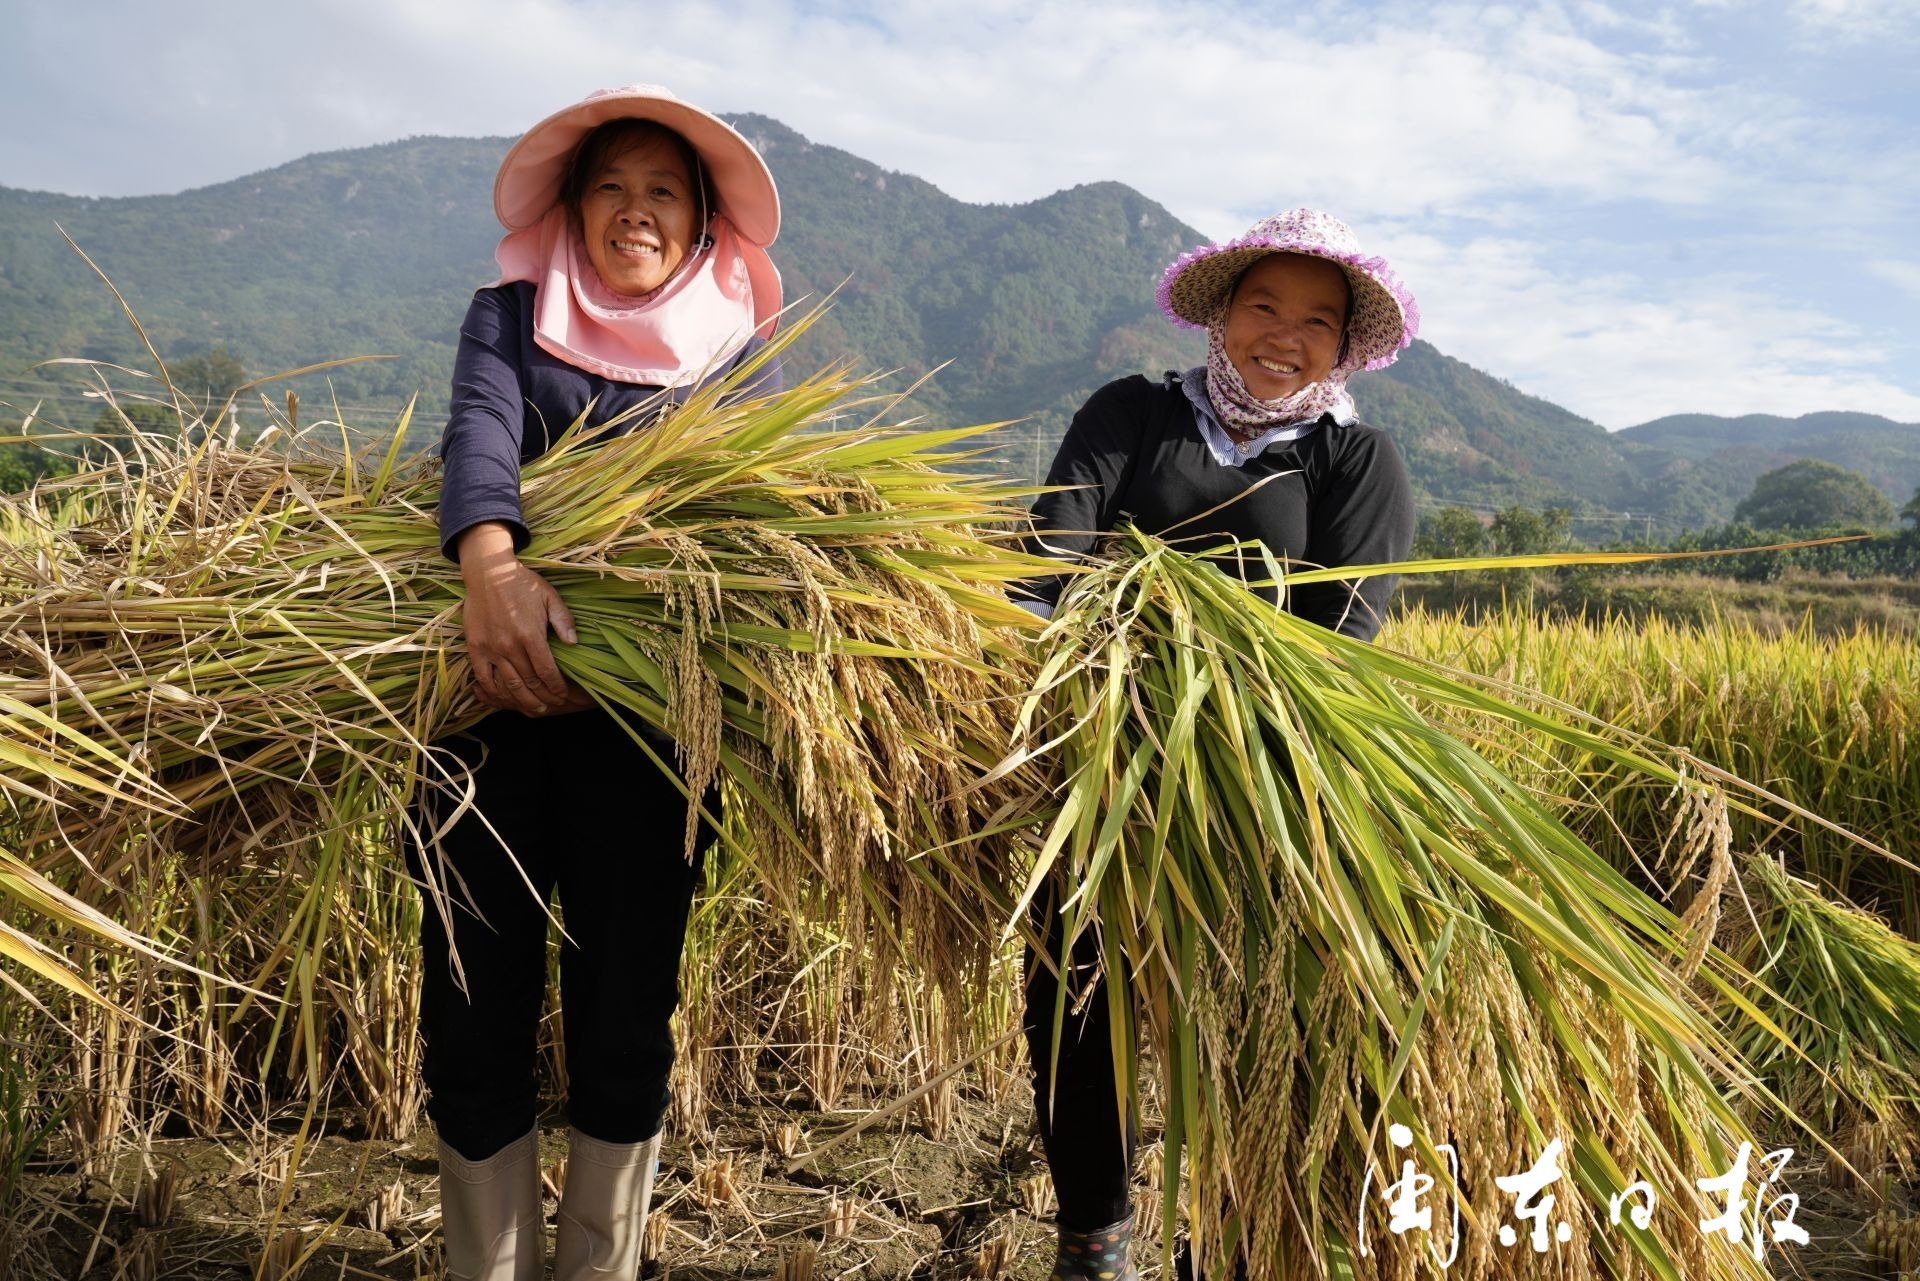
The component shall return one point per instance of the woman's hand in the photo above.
(509, 611)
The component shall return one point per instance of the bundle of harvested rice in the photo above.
(1846, 990)
(235, 648)
(1337, 919)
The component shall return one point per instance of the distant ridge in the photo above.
(1029, 306)
(1885, 451)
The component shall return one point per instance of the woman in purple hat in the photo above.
(635, 269)
(1259, 443)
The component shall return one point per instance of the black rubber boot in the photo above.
(1102, 1255)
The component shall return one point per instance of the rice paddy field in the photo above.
(1649, 889)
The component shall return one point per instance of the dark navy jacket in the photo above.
(512, 400)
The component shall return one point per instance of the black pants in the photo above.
(1089, 1144)
(586, 812)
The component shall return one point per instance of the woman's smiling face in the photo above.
(1285, 320)
(637, 216)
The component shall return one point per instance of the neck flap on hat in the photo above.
(1240, 408)
(672, 337)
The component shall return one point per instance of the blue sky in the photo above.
(1632, 209)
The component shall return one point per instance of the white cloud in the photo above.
(1664, 26)
(1609, 348)
(1843, 18)
(992, 102)
(1213, 112)
(1859, 19)
(1905, 274)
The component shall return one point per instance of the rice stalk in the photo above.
(1846, 990)
(1334, 913)
(30, 1115)
(725, 1023)
(1825, 723)
(374, 988)
(828, 1045)
(1334, 917)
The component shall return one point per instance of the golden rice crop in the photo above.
(1821, 722)
(1827, 724)
(1846, 990)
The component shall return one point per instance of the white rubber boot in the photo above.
(603, 1208)
(490, 1213)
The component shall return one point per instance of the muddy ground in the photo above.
(893, 1201)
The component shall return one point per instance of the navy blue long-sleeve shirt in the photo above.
(1337, 496)
(512, 400)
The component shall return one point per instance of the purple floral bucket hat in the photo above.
(1384, 319)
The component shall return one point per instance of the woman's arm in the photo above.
(509, 608)
(1095, 459)
(1362, 515)
(480, 448)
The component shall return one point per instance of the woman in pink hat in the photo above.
(1261, 442)
(634, 269)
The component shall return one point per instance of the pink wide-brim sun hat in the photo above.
(1384, 317)
(530, 177)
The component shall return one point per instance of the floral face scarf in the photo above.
(1241, 410)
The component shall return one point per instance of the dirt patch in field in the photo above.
(893, 1201)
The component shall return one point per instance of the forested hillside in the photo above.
(1740, 450)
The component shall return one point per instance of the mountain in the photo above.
(1021, 309)
(1033, 305)
(1471, 438)
(344, 253)
(1742, 449)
